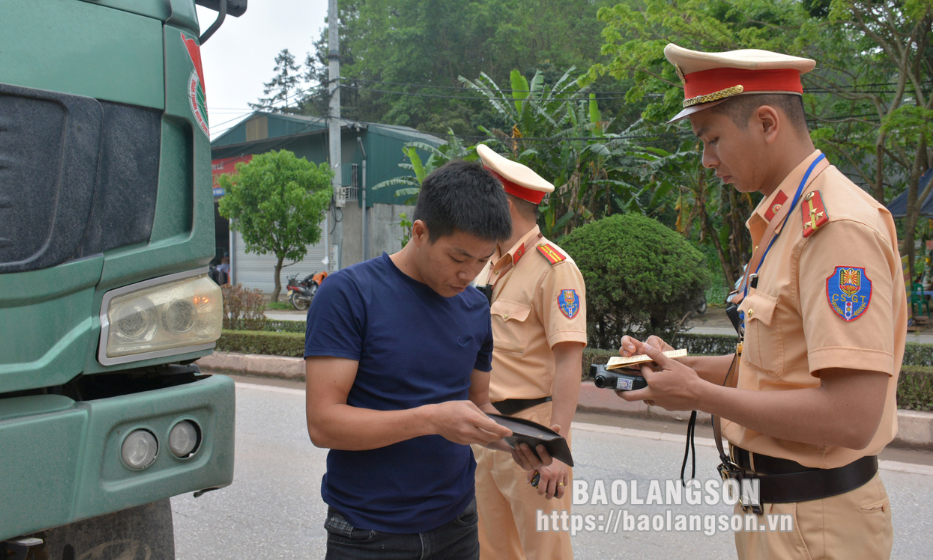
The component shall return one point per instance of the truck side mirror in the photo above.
(235, 8)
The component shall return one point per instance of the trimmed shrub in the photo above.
(258, 342)
(915, 388)
(268, 325)
(640, 276)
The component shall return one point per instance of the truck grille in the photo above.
(77, 177)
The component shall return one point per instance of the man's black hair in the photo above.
(740, 108)
(462, 196)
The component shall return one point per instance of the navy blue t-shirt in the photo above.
(414, 347)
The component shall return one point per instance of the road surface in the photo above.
(274, 510)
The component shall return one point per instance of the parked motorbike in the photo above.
(301, 294)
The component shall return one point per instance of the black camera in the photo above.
(605, 379)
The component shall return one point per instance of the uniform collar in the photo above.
(518, 250)
(767, 208)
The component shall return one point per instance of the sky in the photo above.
(240, 57)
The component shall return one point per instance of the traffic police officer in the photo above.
(538, 307)
(808, 401)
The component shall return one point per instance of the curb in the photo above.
(915, 429)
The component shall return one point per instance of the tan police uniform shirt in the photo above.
(797, 322)
(535, 305)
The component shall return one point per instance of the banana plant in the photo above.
(410, 185)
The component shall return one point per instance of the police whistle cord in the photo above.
(690, 449)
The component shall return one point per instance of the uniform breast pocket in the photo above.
(764, 341)
(508, 320)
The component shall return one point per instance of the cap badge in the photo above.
(715, 96)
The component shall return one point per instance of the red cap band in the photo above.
(718, 79)
(515, 189)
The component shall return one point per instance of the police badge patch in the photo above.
(848, 291)
(569, 303)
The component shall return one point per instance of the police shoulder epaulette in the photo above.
(814, 213)
(551, 253)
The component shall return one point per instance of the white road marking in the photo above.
(270, 388)
(643, 434)
(897, 466)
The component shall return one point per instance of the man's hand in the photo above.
(523, 455)
(671, 385)
(554, 479)
(631, 347)
(464, 423)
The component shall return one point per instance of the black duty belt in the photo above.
(509, 407)
(784, 481)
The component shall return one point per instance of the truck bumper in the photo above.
(60, 460)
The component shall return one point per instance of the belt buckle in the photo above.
(729, 470)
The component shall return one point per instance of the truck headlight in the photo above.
(170, 315)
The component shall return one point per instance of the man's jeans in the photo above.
(456, 540)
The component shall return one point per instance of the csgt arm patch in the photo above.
(569, 303)
(849, 292)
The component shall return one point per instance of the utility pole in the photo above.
(333, 87)
(364, 249)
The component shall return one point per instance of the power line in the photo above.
(505, 90)
(468, 98)
(434, 86)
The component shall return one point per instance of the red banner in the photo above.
(227, 166)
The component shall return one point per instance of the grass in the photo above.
(279, 306)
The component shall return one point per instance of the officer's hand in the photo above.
(671, 385)
(632, 347)
(553, 480)
(526, 458)
(464, 423)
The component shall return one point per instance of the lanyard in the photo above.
(803, 183)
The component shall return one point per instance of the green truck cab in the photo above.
(106, 232)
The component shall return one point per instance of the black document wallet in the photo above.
(534, 434)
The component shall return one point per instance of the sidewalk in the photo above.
(915, 429)
(286, 315)
(714, 322)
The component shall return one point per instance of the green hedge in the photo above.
(914, 388)
(916, 354)
(258, 342)
(272, 325)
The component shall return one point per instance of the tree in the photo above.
(277, 203)
(410, 185)
(559, 132)
(401, 59)
(869, 98)
(641, 277)
(284, 85)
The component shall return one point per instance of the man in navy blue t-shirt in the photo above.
(398, 352)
